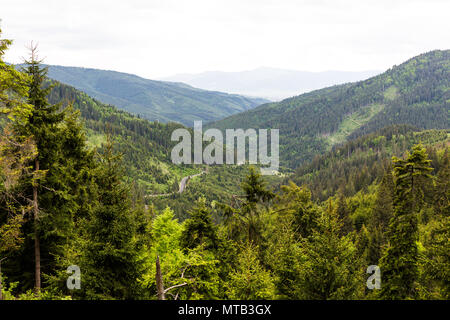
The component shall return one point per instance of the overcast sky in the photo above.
(157, 38)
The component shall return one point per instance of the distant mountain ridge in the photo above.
(416, 93)
(271, 83)
(151, 99)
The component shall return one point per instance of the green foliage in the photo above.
(13, 87)
(282, 254)
(145, 145)
(245, 219)
(244, 235)
(399, 262)
(59, 178)
(414, 93)
(111, 261)
(199, 228)
(358, 163)
(154, 100)
(249, 281)
(295, 204)
(434, 260)
(220, 184)
(330, 266)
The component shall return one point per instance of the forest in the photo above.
(74, 174)
(413, 93)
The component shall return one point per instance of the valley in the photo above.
(88, 184)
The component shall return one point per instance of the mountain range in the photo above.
(271, 83)
(417, 93)
(153, 100)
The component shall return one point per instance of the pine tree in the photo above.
(199, 229)
(399, 264)
(381, 214)
(250, 281)
(59, 181)
(330, 266)
(245, 221)
(343, 214)
(295, 202)
(42, 127)
(110, 258)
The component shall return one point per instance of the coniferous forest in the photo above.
(364, 181)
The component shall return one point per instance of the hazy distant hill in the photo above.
(153, 100)
(416, 92)
(270, 83)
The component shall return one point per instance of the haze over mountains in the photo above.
(153, 100)
(270, 83)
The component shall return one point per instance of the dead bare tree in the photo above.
(160, 284)
(159, 281)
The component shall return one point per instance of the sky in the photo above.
(158, 38)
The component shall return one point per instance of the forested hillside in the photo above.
(74, 225)
(154, 100)
(353, 166)
(218, 184)
(145, 145)
(415, 93)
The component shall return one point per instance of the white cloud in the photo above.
(159, 38)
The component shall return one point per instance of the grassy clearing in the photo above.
(391, 93)
(353, 122)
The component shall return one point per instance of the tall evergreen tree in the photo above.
(250, 281)
(15, 151)
(343, 214)
(246, 219)
(399, 263)
(295, 202)
(381, 214)
(42, 126)
(111, 260)
(442, 189)
(57, 184)
(199, 229)
(329, 267)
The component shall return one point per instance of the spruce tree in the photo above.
(295, 203)
(111, 260)
(399, 264)
(59, 181)
(199, 229)
(442, 189)
(15, 151)
(245, 222)
(43, 127)
(379, 221)
(383, 210)
(250, 281)
(330, 266)
(343, 214)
